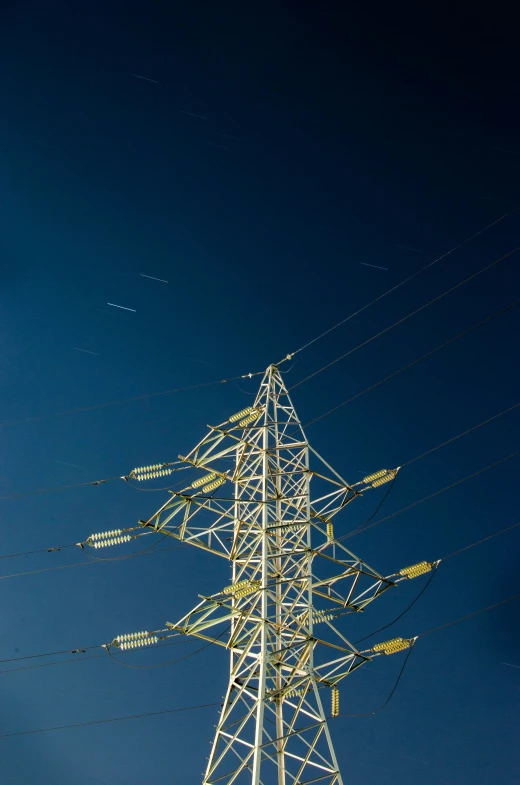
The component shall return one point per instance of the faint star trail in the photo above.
(366, 264)
(122, 307)
(84, 350)
(152, 278)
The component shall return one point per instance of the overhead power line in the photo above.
(460, 435)
(479, 542)
(83, 659)
(426, 498)
(59, 488)
(310, 422)
(112, 719)
(390, 696)
(257, 373)
(405, 318)
(91, 561)
(128, 400)
(432, 575)
(405, 280)
(403, 613)
(125, 477)
(428, 632)
(469, 616)
(410, 364)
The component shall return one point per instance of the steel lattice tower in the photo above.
(265, 503)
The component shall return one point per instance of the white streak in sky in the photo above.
(123, 307)
(373, 265)
(84, 350)
(152, 278)
(194, 359)
(222, 146)
(511, 666)
(191, 114)
(407, 248)
(489, 199)
(145, 78)
(501, 150)
(408, 757)
(74, 466)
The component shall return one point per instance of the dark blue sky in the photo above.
(329, 139)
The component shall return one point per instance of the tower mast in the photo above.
(270, 516)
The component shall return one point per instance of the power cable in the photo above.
(408, 607)
(59, 488)
(469, 616)
(459, 435)
(257, 373)
(405, 318)
(310, 422)
(406, 280)
(49, 654)
(79, 659)
(426, 498)
(112, 719)
(95, 482)
(39, 550)
(479, 542)
(422, 634)
(91, 561)
(387, 701)
(414, 362)
(70, 545)
(129, 400)
(382, 501)
(430, 579)
(79, 650)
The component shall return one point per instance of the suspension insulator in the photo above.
(319, 616)
(153, 467)
(135, 640)
(153, 474)
(295, 692)
(335, 702)
(382, 480)
(416, 569)
(249, 420)
(111, 541)
(215, 484)
(235, 586)
(105, 535)
(240, 414)
(203, 480)
(253, 587)
(374, 476)
(393, 646)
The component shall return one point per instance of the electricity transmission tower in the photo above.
(264, 500)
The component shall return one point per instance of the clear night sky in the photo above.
(326, 141)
